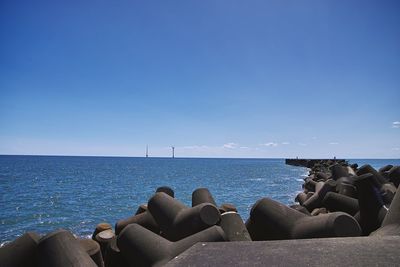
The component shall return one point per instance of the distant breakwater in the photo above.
(338, 200)
(309, 163)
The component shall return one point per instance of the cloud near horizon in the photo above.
(396, 124)
(270, 144)
(196, 147)
(230, 145)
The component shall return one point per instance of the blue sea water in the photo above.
(44, 193)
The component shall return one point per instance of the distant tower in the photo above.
(147, 151)
(173, 151)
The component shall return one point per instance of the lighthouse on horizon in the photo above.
(173, 151)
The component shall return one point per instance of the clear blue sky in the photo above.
(213, 78)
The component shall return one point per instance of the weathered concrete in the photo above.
(60, 248)
(21, 252)
(271, 220)
(202, 195)
(355, 251)
(178, 221)
(234, 227)
(141, 247)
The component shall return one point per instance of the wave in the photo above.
(4, 243)
(256, 179)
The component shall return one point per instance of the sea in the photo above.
(45, 193)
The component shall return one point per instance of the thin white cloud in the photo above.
(302, 144)
(314, 138)
(195, 147)
(285, 143)
(244, 147)
(230, 145)
(396, 124)
(333, 143)
(271, 144)
(396, 148)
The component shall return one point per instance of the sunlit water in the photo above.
(46, 193)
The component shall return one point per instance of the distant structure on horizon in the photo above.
(173, 151)
(147, 151)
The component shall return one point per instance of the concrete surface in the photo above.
(350, 251)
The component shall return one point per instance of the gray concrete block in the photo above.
(354, 251)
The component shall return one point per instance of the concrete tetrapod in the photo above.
(347, 190)
(319, 211)
(319, 186)
(300, 208)
(302, 197)
(113, 256)
(92, 248)
(394, 175)
(339, 171)
(202, 195)
(141, 247)
(370, 202)
(385, 168)
(351, 171)
(100, 228)
(337, 202)
(142, 208)
(381, 180)
(60, 248)
(309, 184)
(20, 252)
(369, 169)
(271, 220)
(177, 221)
(227, 207)
(322, 176)
(144, 218)
(388, 190)
(234, 227)
(104, 238)
(315, 201)
(391, 222)
(167, 190)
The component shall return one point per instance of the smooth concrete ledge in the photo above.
(354, 251)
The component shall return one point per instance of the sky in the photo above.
(221, 78)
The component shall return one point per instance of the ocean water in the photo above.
(44, 193)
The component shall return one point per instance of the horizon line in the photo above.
(169, 157)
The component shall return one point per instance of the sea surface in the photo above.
(44, 193)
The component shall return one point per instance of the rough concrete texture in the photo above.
(354, 251)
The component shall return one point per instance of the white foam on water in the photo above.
(82, 236)
(4, 243)
(87, 236)
(256, 179)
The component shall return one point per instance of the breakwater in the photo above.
(309, 163)
(338, 200)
